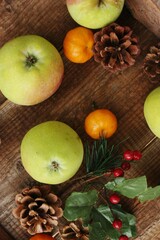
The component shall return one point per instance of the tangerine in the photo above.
(100, 123)
(78, 44)
(42, 236)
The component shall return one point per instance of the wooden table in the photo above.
(123, 93)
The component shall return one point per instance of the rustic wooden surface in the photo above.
(147, 12)
(4, 234)
(124, 93)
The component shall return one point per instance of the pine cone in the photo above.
(38, 209)
(115, 47)
(75, 230)
(152, 62)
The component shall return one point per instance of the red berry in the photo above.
(117, 223)
(118, 172)
(126, 166)
(114, 198)
(128, 155)
(137, 155)
(123, 237)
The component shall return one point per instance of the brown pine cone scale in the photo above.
(75, 231)
(38, 209)
(152, 62)
(116, 48)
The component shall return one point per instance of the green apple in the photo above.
(152, 111)
(94, 13)
(51, 152)
(31, 69)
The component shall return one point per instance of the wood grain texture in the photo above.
(147, 12)
(4, 235)
(124, 93)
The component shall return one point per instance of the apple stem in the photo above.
(99, 2)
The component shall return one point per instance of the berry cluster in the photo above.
(128, 155)
(117, 223)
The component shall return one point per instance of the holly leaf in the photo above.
(102, 218)
(96, 231)
(105, 212)
(79, 205)
(128, 220)
(130, 188)
(149, 194)
(136, 187)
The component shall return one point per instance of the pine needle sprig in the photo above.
(100, 157)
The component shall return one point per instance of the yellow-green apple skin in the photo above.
(31, 69)
(51, 152)
(94, 14)
(152, 111)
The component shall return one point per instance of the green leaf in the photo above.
(79, 205)
(129, 221)
(130, 188)
(105, 220)
(96, 231)
(105, 217)
(112, 185)
(105, 212)
(136, 187)
(149, 194)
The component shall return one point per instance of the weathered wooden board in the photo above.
(4, 235)
(146, 12)
(124, 93)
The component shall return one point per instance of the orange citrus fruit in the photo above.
(42, 236)
(78, 44)
(101, 123)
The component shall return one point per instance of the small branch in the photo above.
(82, 177)
(106, 202)
(82, 182)
(93, 178)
